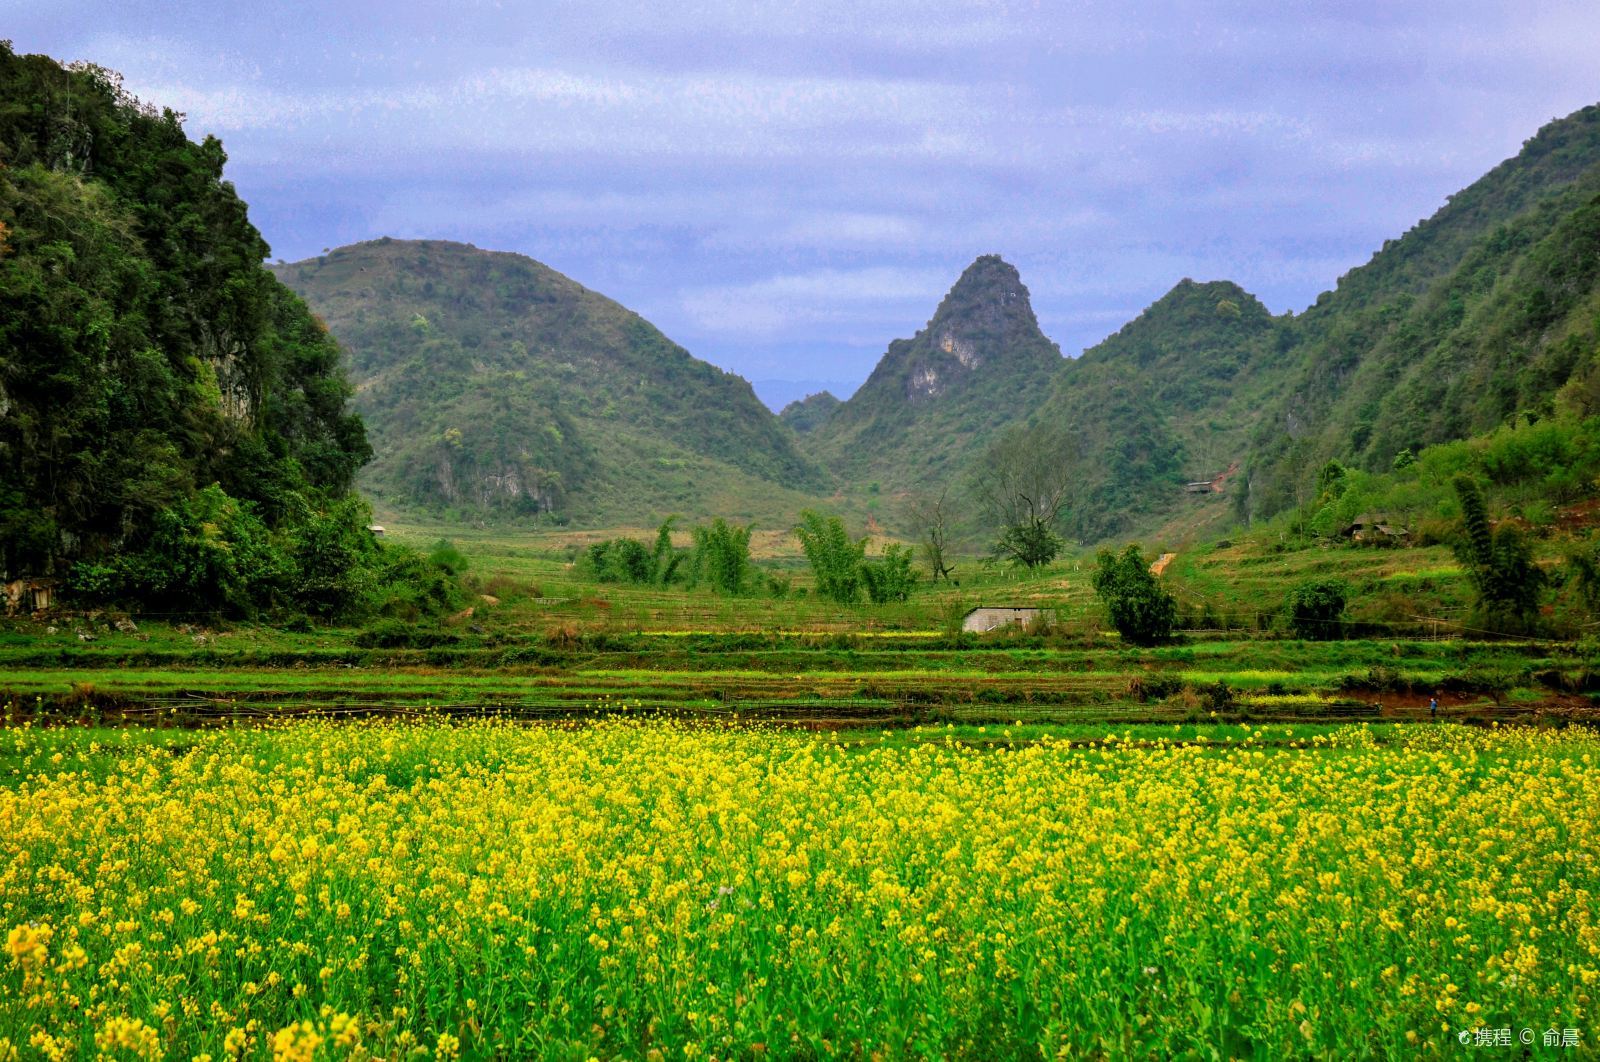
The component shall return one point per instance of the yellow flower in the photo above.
(29, 944)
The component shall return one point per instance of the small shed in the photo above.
(1199, 487)
(376, 529)
(1374, 527)
(29, 595)
(991, 617)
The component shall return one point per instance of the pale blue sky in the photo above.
(785, 187)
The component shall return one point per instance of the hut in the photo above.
(991, 617)
(1374, 529)
(29, 595)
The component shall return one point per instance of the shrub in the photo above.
(1499, 562)
(1137, 605)
(1316, 609)
(890, 578)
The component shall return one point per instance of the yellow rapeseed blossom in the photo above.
(664, 890)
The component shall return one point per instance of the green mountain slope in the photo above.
(934, 400)
(1488, 309)
(173, 426)
(808, 414)
(493, 384)
(1167, 399)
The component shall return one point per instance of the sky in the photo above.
(785, 187)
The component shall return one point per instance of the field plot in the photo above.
(656, 890)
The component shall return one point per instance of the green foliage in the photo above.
(1031, 544)
(834, 557)
(173, 430)
(1316, 608)
(624, 560)
(810, 413)
(1137, 605)
(721, 556)
(891, 577)
(1583, 564)
(1499, 562)
(445, 554)
(620, 560)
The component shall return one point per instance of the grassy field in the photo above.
(658, 890)
(542, 639)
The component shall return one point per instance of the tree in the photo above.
(721, 555)
(891, 577)
(835, 558)
(1316, 609)
(1498, 561)
(1137, 605)
(928, 517)
(1022, 486)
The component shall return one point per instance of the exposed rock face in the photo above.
(987, 317)
(933, 399)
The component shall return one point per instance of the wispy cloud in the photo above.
(778, 183)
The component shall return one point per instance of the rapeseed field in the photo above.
(657, 890)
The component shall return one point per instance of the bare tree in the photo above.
(1022, 484)
(929, 518)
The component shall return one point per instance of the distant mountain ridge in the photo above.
(1489, 309)
(493, 384)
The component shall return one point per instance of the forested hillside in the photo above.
(494, 385)
(173, 426)
(1488, 310)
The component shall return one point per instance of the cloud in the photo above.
(778, 303)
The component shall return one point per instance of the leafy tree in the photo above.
(1584, 566)
(929, 518)
(1316, 608)
(835, 558)
(626, 560)
(1136, 603)
(721, 556)
(620, 560)
(665, 559)
(1499, 563)
(1022, 485)
(891, 577)
(174, 430)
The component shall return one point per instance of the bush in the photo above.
(1316, 609)
(625, 560)
(1499, 563)
(1137, 605)
(890, 578)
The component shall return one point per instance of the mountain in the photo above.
(173, 422)
(934, 400)
(1169, 398)
(491, 384)
(808, 414)
(1488, 310)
